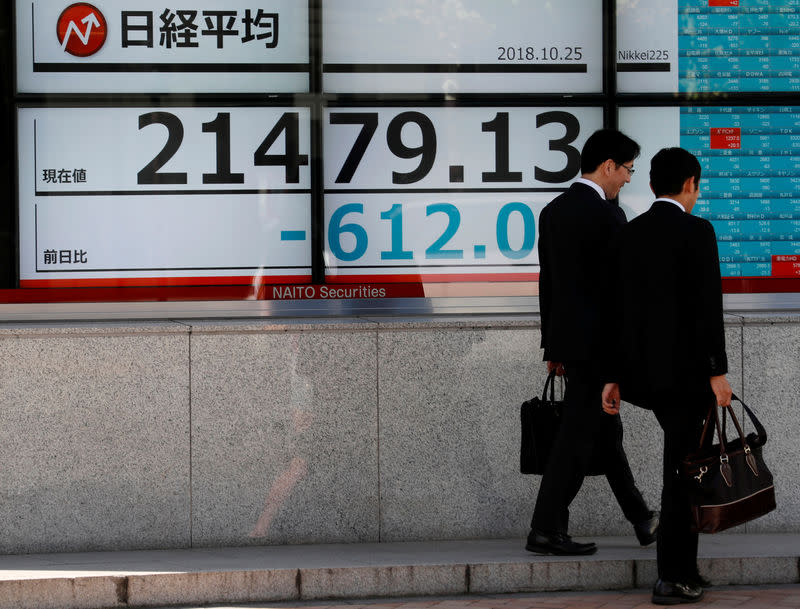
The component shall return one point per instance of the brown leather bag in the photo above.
(729, 483)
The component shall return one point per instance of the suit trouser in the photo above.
(584, 424)
(682, 421)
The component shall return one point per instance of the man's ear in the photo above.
(651, 189)
(688, 186)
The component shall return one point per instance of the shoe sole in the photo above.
(544, 550)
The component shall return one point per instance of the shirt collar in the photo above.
(593, 185)
(673, 201)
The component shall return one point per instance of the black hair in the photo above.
(670, 168)
(607, 144)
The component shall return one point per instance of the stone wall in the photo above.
(203, 433)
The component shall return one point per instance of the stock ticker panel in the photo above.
(739, 45)
(751, 185)
(701, 46)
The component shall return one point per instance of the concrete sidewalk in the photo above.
(287, 573)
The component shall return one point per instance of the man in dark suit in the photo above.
(575, 233)
(670, 354)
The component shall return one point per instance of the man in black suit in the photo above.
(670, 354)
(575, 233)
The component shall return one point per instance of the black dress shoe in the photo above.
(559, 544)
(646, 530)
(675, 593)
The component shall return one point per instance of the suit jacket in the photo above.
(575, 232)
(669, 317)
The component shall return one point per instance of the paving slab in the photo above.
(783, 596)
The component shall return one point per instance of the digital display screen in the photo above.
(164, 194)
(147, 46)
(471, 46)
(750, 187)
(697, 46)
(445, 194)
(417, 142)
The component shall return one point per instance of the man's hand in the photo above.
(557, 366)
(611, 398)
(722, 390)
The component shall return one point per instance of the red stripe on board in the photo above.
(125, 282)
(760, 285)
(409, 287)
(432, 278)
(133, 294)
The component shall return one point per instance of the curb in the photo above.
(258, 574)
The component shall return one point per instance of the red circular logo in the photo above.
(81, 29)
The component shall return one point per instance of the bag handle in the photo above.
(724, 461)
(707, 424)
(551, 384)
(761, 433)
(758, 440)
